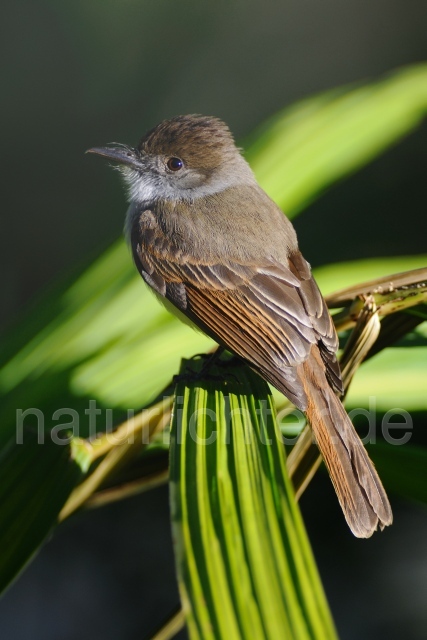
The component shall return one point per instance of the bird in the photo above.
(210, 242)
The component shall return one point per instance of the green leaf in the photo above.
(333, 277)
(244, 562)
(300, 152)
(35, 481)
(396, 378)
(110, 340)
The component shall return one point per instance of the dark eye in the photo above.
(174, 164)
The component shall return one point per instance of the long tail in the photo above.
(361, 495)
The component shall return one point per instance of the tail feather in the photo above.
(362, 497)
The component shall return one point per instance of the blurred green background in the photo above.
(83, 73)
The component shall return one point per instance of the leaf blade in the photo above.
(35, 481)
(243, 557)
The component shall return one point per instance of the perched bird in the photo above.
(207, 239)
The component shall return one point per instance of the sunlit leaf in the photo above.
(244, 562)
(300, 152)
(333, 277)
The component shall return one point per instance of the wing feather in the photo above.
(270, 314)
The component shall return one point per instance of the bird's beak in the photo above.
(120, 154)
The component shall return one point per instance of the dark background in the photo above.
(78, 73)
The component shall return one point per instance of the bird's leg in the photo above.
(212, 359)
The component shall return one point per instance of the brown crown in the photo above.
(202, 141)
